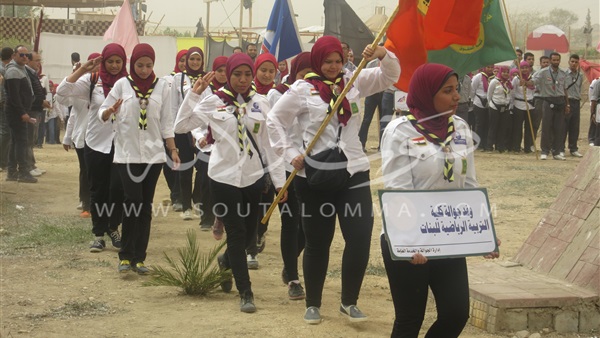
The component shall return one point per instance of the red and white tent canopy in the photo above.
(548, 37)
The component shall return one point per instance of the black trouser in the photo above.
(463, 111)
(572, 125)
(482, 119)
(18, 150)
(186, 170)
(371, 103)
(292, 235)
(354, 210)
(84, 184)
(409, 283)
(592, 131)
(172, 178)
(32, 133)
(553, 126)
(202, 192)
(536, 120)
(106, 191)
(518, 119)
(4, 137)
(266, 199)
(137, 208)
(499, 123)
(238, 208)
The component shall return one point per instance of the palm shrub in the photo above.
(195, 273)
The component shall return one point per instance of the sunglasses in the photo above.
(28, 55)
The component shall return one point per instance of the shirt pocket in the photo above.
(421, 152)
(317, 108)
(129, 109)
(254, 121)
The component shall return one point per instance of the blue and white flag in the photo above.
(282, 38)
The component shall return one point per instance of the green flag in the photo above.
(493, 44)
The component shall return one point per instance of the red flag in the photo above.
(423, 25)
(123, 30)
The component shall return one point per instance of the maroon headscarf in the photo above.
(320, 51)
(486, 77)
(262, 58)
(108, 80)
(233, 62)
(300, 62)
(526, 72)
(504, 80)
(426, 81)
(218, 62)
(139, 51)
(93, 56)
(188, 70)
(181, 54)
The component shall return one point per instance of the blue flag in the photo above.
(282, 38)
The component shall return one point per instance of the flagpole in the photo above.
(533, 138)
(328, 117)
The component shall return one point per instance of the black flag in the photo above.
(343, 23)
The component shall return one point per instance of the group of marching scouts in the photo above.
(510, 102)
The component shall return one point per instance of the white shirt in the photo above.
(517, 95)
(477, 92)
(295, 133)
(497, 94)
(78, 121)
(592, 86)
(411, 162)
(177, 94)
(58, 110)
(303, 106)
(133, 145)
(228, 164)
(98, 135)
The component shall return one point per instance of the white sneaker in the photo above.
(35, 173)
(543, 157)
(43, 171)
(187, 215)
(532, 148)
(559, 157)
(80, 206)
(252, 262)
(576, 154)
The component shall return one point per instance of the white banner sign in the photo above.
(437, 223)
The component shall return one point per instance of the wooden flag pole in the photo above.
(533, 138)
(328, 117)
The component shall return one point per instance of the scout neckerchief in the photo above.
(230, 99)
(486, 79)
(282, 87)
(193, 80)
(448, 163)
(329, 91)
(143, 121)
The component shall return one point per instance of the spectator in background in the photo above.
(518, 60)
(529, 58)
(252, 51)
(372, 102)
(522, 85)
(573, 83)
(479, 90)
(237, 49)
(18, 103)
(75, 59)
(37, 108)
(592, 130)
(282, 72)
(347, 64)
(7, 54)
(464, 104)
(595, 110)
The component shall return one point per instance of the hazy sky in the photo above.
(185, 13)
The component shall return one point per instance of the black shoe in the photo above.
(26, 178)
(247, 302)
(295, 291)
(98, 245)
(226, 284)
(115, 238)
(12, 177)
(261, 243)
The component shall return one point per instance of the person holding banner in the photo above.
(429, 148)
(292, 235)
(306, 104)
(138, 109)
(239, 156)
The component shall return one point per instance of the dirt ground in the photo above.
(62, 290)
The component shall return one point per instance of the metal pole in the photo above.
(241, 22)
(207, 34)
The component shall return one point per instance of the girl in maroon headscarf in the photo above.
(428, 149)
(180, 62)
(106, 192)
(306, 104)
(499, 95)
(182, 83)
(519, 118)
(292, 236)
(138, 110)
(240, 153)
(266, 69)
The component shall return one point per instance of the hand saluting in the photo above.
(203, 82)
(91, 64)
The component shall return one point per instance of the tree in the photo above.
(561, 18)
(18, 11)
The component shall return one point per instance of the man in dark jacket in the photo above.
(37, 108)
(18, 103)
